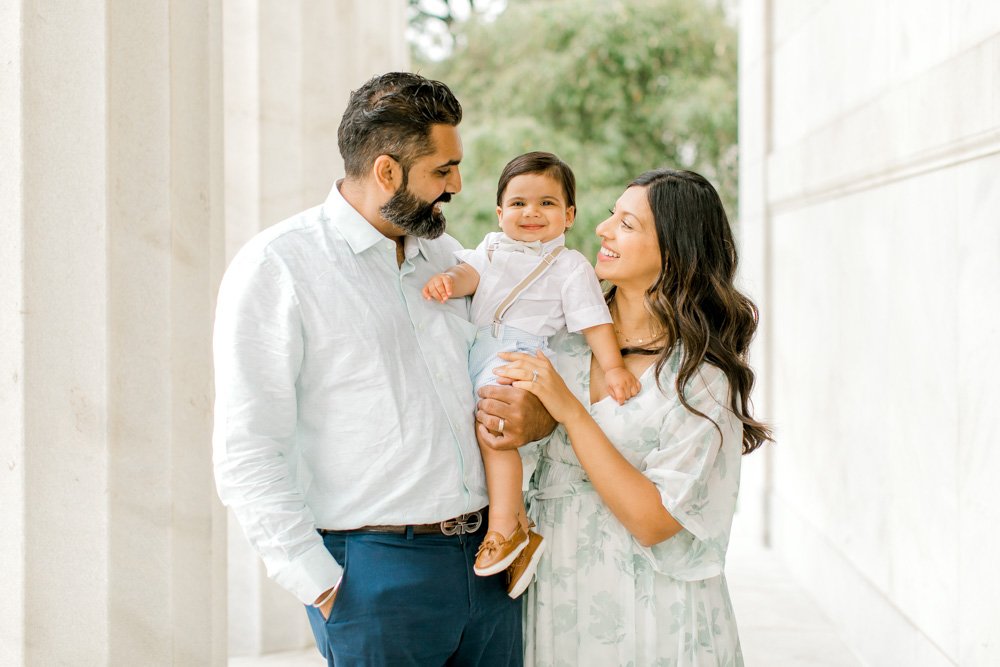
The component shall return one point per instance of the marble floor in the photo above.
(779, 624)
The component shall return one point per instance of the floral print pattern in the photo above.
(601, 598)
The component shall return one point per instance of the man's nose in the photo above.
(454, 182)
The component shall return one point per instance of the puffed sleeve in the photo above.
(696, 469)
(478, 258)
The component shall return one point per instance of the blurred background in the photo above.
(613, 88)
(856, 145)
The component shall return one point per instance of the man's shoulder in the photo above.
(288, 237)
(441, 249)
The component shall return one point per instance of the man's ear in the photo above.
(388, 174)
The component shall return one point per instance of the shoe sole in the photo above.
(501, 565)
(522, 583)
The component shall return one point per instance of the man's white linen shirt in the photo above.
(567, 294)
(343, 397)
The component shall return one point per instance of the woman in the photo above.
(637, 500)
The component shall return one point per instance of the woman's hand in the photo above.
(535, 374)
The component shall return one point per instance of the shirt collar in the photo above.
(413, 245)
(357, 231)
(547, 247)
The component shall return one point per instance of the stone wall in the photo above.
(870, 206)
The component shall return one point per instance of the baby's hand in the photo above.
(439, 287)
(622, 385)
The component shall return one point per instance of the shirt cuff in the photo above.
(585, 318)
(310, 575)
(332, 593)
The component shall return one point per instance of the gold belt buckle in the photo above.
(460, 525)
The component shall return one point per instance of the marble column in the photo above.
(289, 68)
(111, 250)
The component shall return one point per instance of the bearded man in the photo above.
(344, 436)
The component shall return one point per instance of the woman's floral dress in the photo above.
(601, 598)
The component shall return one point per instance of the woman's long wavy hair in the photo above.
(694, 301)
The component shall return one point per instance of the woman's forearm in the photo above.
(630, 496)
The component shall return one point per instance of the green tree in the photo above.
(613, 87)
(433, 22)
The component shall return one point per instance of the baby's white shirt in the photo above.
(567, 295)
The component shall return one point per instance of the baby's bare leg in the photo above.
(503, 482)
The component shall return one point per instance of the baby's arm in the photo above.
(459, 280)
(622, 385)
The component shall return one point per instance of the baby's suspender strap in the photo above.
(536, 273)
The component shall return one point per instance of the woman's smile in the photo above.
(606, 254)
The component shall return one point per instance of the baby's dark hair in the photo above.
(538, 162)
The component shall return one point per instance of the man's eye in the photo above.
(444, 172)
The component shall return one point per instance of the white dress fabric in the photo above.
(600, 597)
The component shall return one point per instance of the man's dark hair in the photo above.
(538, 162)
(392, 115)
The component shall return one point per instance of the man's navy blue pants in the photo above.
(414, 600)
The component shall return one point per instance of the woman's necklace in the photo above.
(634, 339)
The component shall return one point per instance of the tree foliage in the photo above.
(613, 87)
(432, 22)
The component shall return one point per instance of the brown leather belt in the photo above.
(460, 525)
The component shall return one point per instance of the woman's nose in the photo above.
(602, 229)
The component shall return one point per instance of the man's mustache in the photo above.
(446, 197)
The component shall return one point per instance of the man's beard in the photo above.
(413, 215)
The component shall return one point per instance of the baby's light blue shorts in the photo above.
(483, 355)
